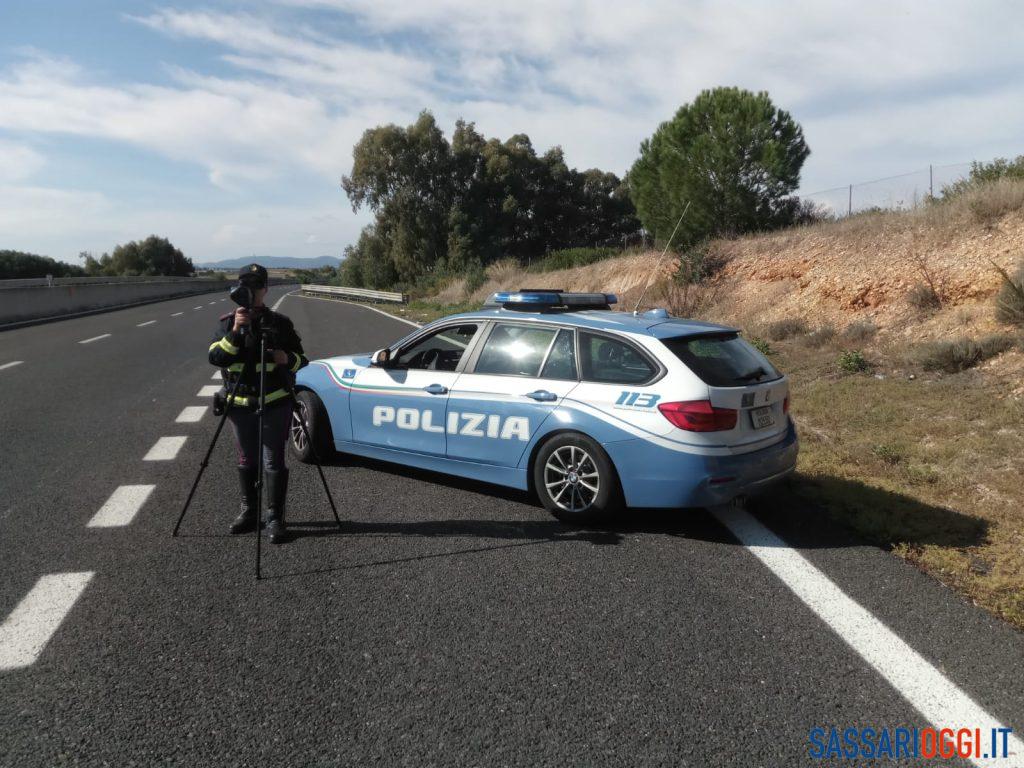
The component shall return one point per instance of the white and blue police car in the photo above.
(555, 392)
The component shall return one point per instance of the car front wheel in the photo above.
(309, 407)
(575, 479)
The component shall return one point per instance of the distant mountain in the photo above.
(279, 262)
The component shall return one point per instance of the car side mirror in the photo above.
(381, 358)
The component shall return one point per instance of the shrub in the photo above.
(1010, 299)
(697, 265)
(760, 345)
(475, 277)
(961, 354)
(986, 173)
(819, 337)
(853, 361)
(784, 329)
(567, 258)
(889, 453)
(860, 331)
(923, 296)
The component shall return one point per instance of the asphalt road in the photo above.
(449, 623)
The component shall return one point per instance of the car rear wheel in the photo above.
(310, 408)
(575, 479)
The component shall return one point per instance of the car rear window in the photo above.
(722, 359)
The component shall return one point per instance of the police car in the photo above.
(555, 392)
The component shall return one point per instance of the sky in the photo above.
(227, 126)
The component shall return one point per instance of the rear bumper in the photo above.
(657, 477)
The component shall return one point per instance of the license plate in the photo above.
(762, 417)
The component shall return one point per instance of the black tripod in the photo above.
(259, 454)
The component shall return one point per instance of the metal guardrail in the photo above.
(362, 294)
(30, 282)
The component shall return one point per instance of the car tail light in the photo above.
(785, 405)
(699, 416)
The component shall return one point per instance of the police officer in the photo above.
(235, 350)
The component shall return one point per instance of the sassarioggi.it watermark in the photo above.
(895, 743)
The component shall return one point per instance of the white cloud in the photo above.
(18, 161)
(879, 88)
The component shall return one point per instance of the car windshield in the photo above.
(722, 359)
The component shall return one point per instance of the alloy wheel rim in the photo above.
(571, 478)
(298, 435)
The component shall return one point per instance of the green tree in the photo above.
(21, 265)
(152, 256)
(732, 155)
(453, 208)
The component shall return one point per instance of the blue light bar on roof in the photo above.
(551, 300)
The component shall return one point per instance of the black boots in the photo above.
(246, 520)
(277, 490)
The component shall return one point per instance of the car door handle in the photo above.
(436, 389)
(542, 396)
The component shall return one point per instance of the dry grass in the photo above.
(452, 292)
(991, 202)
(786, 328)
(928, 467)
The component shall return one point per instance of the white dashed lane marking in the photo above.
(935, 697)
(94, 338)
(148, 322)
(11, 364)
(191, 414)
(208, 391)
(121, 507)
(199, 307)
(34, 620)
(175, 314)
(217, 375)
(165, 449)
(212, 303)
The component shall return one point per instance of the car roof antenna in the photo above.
(660, 259)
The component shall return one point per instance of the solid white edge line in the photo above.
(148, 322)
(31, 624)
(11, 364)
(278, 302)
(190, 414)
(165, 449)
(122, 506)
(208, 391)
(939, 700)
(364, 306)
(94, 338)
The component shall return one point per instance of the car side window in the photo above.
(440, 351)
(561, 362)
(609, 361)
(514, 350)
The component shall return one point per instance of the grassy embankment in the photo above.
(907, 389)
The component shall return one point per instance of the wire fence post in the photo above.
(849, 205)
